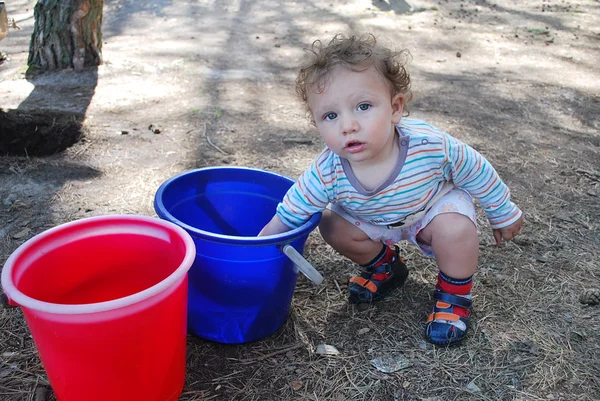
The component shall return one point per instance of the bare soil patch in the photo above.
(516, 79)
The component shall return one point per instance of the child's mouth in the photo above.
(354, 146)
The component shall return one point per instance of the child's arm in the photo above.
(275, 226)
(308, 196)
(469, 170)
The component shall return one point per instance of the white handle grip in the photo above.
(306, 268)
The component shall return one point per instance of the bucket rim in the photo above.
(276, 239)
(23, 300)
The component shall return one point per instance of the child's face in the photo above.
(355, 114)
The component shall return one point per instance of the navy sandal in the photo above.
(366, 288)
(444, 327)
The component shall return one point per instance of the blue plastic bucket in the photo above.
(240, 285)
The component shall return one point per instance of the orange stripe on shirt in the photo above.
(321, 177)
(489, 186)
(305, 194)
(294, 211)
(462, 159)
(506, 195)
(413, 182)
(392, 189)
(324, 155)
(422, 200)
(496, 223)
(378, 211)
(425, 150)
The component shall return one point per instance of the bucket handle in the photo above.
(306, 268)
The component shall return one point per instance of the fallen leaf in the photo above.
(326, 349)
(390, 364)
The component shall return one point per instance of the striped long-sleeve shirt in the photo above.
(429, 160)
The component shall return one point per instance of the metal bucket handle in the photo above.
(306, 268)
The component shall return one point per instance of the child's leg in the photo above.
(348, 239)
(455, 245)
(384, 270)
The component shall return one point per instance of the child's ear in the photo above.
(397, 107)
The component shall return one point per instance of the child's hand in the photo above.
(508, 233)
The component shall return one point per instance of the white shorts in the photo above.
(455, 201)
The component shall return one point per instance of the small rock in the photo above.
(362, 331)
(124, 132)
(563, 217)
(9, 200)
(300, 141)
(22, 234)
(154, 129)
(592, 193)
(295, 385)
(458, 54)
(473, 388)
(590, 297)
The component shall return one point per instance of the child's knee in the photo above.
(450, 227)
(336, 230)
(330, 225)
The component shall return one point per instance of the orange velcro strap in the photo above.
(363, 282)
(442, 305)
(443, 316)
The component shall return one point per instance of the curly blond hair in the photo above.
(356, 53)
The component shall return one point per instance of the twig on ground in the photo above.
(592, 175)
(40, 393)
(211, 143)
(352, 381)
(269, 355)
(338, 286)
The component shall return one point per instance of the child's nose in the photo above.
(349, 125)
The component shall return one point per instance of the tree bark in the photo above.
(67, 34)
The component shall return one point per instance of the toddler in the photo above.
(383, 178)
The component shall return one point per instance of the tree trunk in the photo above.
(67, 34)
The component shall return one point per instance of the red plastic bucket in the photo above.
(105, 299)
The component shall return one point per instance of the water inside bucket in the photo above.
(230, 207)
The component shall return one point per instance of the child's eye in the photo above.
(330, 116)
(364, 106)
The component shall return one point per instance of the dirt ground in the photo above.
(518, 80)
